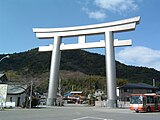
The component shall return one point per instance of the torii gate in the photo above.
(108, 29)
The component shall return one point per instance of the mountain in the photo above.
(75, 66)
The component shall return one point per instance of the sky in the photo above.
(18, 17)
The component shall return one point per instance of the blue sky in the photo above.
(18, 17)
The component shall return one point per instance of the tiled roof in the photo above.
(16, 89)
(138, 85)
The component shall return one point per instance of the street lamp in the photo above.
(7, 56)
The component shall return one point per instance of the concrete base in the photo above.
(112, 104)
(100, 103)
(51, 101)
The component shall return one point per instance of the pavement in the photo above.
(75, 112)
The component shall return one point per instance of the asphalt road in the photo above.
(76, 113)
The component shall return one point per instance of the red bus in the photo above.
(145, 102)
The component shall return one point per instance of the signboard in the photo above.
(3, 93)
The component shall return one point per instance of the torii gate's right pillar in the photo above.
(110, 70)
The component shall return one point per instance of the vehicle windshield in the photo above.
(136, 100)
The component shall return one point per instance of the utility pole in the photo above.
(30, 102)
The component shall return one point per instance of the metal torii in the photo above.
(108, 29)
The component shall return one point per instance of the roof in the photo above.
(76, 92)
(16, 89)
(67, 94)
(72, 92)
(3, 78)
(1, 75)
(138, 86)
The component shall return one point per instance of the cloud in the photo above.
(117, 5)
(98, 9)
(99, 15)
(140, 56)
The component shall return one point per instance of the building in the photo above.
(135, 88)
(74, 97)
(16, 95)
(3, 78)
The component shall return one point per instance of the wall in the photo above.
(124, 94)
(14, 98)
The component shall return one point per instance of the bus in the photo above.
(145, 102)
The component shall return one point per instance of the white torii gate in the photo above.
(108, 29)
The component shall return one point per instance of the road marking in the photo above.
(94, 118)
(80, 118)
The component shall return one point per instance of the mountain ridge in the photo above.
(35, 65)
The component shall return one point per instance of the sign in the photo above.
(3, 93)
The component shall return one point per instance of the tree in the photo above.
(121, 82)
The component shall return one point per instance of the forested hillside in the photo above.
(78, 70)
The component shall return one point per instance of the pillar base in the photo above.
(112, 103)
(51, 101)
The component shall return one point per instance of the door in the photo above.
(18, 101)
(156, 103)
(144, 103)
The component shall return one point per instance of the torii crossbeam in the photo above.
(108, 29)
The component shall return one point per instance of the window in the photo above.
(10, 99)
(136, 100)
(149, 91)
(128, 90)
(150, 99)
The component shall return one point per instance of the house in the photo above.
(135, 88)
(3, 78)
(74, 97)
(16, 95)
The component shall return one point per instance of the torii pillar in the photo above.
(81, 31)
(54, 72)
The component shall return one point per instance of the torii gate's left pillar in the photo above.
(54, 72)
(110, 70)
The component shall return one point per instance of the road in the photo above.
(76, 113)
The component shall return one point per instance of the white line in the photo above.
(95, 118)
(80, 118)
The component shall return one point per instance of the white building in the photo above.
(16, 95)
